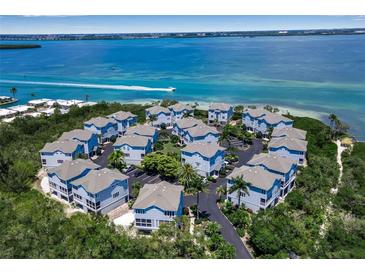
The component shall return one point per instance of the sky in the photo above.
(143, 24)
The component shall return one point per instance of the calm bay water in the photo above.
(307, 75)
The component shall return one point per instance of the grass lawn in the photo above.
(170, 148)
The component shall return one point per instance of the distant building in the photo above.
(261, 120)
(264, 187)
(21, 109)
(61, 177)
(207, 159)
(283, 166)
(39, 102)
(134, 148)
(88, 138)
(220, 112)
(179, 110)
(289, 132)
(100, 191)
(66, 104)
(157, 204)
(201, 133)
(295, 149)
(7, 113)
(124, 120)
(143, 130)
(162, 115)
(105, 128)
(54, 154)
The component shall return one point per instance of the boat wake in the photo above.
(80, 85)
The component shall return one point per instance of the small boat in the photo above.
(172, 88)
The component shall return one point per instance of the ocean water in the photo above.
(314, 75)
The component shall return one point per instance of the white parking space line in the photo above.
(131, 171)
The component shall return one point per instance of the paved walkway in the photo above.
(208, 205)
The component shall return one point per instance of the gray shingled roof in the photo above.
(122, 115)
(132, 140)
(220, 106)
(66, 146)
(289, 132)
(269, 117)
(274, 162)
(256, 176)
(201, 130)
(80, 134)
(98, 180)
(157, 109)
(163, 195)
(205, 149)
(70, 169)
(180, 107)
(141, 130)
(100, 121)
(188, 122)
(290, 143)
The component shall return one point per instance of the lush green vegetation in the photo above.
(34, 226)
(346, 235)
(239, 217)
(294, 226)
(163, 164)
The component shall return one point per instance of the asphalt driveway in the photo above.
(208, 204)
(102, 160)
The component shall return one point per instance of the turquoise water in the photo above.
(311, 75)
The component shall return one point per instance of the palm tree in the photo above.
(13, 91)
(333, 118)
(116, 160)
(220, 191)
(152, 118)
(196, 187)
(239, 185)
(187, 175)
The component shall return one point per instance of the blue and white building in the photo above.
(54, 154)
(220, 112)
(206, 159)
(124, 120)
(162, 114)
(263, 189)
(261, 120)
(201, 133)
(180, 126)
(157, 204)
(292, 148)
(134, 148)
(289, 132)
(143, 130)
(179, 110)
(100, 190)
(86, 137)
(60, 178)
(105, 128)
(283, 166)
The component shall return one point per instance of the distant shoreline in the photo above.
(19, 46)
(131, 36)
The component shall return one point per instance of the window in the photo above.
(52, 184)
(197, 164)
(127, 155)
(60, 161)
(262, 201)
(64, 190)
(243, 194)
(115, 195)
(144, 222)
(142, 155)
(90, 204)
(140, 211)
(77, 196)
(170, 213)
(44, 161)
